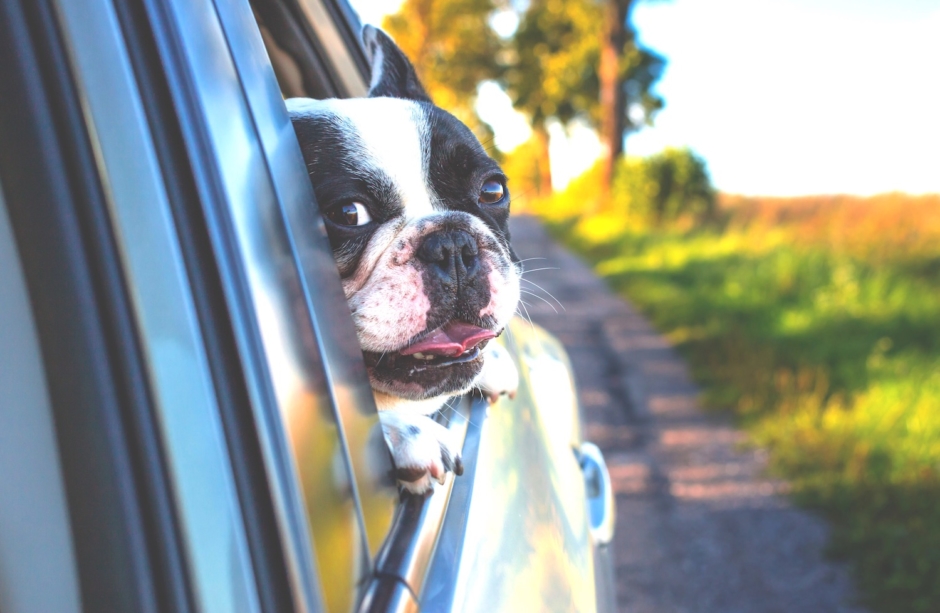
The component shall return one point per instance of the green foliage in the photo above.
(830, 358)
(669, 187)
(549, 66)
(524, 167)
(552, 67)
(640, 69)
(551, 71)
(452, 47)
(664, 187)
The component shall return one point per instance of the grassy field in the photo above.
(816, 321)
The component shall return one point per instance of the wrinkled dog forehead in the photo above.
(380, 146)
(401, 158)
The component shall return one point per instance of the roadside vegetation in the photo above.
(816, 322)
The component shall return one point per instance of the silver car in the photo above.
(185, 419)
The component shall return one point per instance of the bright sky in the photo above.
(781, 97)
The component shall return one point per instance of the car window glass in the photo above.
(264, 195)
(37, 562)
(335, 334)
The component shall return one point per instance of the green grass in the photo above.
(832, 361)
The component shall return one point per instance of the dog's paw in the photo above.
(500, 375)
(422, 450)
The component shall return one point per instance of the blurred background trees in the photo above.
(453, 48)
(669, 188)
(627, 75)
(551, 71)
(566, 60)
(676, 186)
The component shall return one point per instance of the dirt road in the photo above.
(700, 529)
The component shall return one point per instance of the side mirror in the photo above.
(600, 494)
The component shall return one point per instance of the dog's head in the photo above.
(416, 213)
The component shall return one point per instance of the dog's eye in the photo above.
(492, 192)
(349, 214)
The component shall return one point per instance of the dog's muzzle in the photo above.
(446, 357)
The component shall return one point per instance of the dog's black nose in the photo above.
(451, 254)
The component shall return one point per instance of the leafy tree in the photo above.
(452, 47)
(567, 59)
(627, 75)
(526, 166)
(670, 186)
(580, 58)
(551, 71)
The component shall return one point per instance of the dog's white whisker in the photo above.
(524, 194)
(456, 412)
(528, 316)
(540, 269)
(547, 292)
(525, 291)
(528, 270)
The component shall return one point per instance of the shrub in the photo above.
(666, 187)
(663, 189)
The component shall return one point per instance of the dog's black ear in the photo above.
(392, 74)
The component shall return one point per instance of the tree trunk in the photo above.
(613, 99)
(544, 161)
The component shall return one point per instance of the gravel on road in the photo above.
(700, 527)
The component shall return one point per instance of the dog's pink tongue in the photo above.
(450, 340)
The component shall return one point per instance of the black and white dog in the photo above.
(416, 213)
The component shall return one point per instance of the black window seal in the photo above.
(350, 28)
(288, 25)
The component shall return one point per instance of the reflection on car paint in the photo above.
(527, 546)
(320, 295)
(276, 290)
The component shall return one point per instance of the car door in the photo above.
(170, 315)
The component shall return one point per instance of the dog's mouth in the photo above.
(442, 361)
(456, 342)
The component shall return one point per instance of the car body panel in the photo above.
(527, 544)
